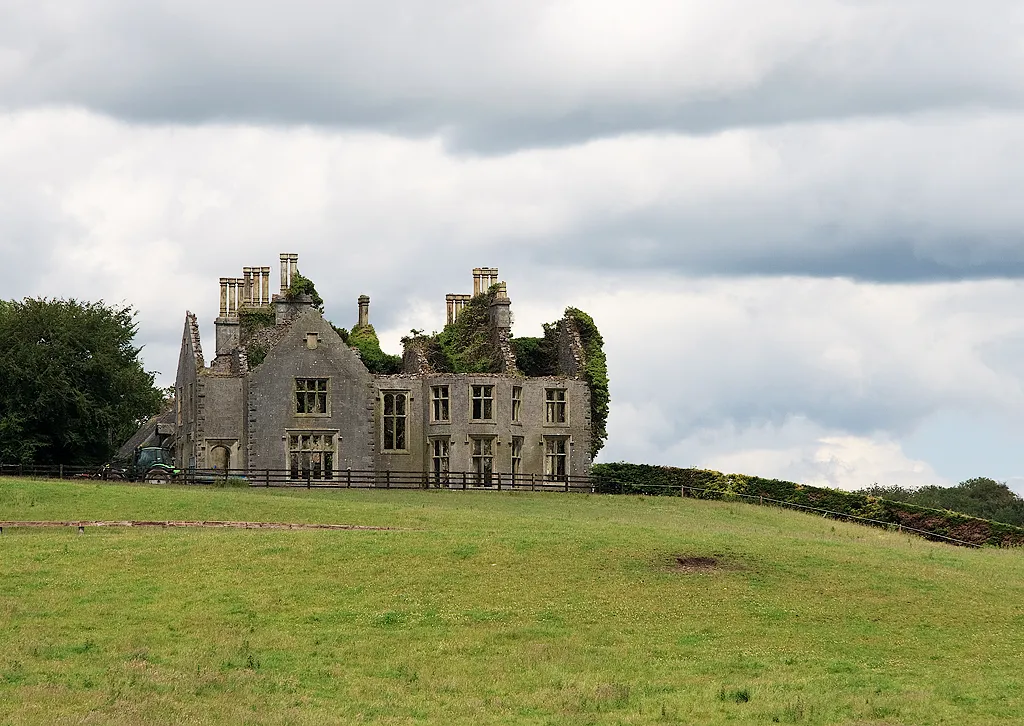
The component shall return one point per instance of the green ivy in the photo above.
(595, 372)
(431, 347)
(255, 354)
(252, 319)
(364, 339)
(537, 356)
(466, 343)
(304, 286)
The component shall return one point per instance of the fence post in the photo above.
(309, 478)
(387, 478)
(348, 477)
(533, 482)
(463, 481)
(60, 470)
(498, 478)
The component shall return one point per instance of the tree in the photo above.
(72, 387)
(978, 497)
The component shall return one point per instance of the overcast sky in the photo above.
(798, 225)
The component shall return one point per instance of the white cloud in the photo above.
(838, 461)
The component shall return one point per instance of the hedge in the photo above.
(625, 478)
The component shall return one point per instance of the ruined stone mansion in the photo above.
(285, 391)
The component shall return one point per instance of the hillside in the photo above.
(482, 607)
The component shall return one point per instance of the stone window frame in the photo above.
(516, 455)
(556, 410)
(440, 404)
(440, 458)
(481, 457)
(517, 404)
(399, 418)
(556, 458)
(311, 396)
(327, 451)
(485, 401)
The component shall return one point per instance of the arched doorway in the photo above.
(220, 457)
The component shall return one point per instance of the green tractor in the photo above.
(149, 463)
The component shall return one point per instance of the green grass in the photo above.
(493, 608)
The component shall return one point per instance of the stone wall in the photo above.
(270, 397)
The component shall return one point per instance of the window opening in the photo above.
(517, 403)
(439, 459)
(311, 456)
(394, 420)
(483, 459)
(555, 458)
(483, 403)
(517, 456)
(556, 405)
(311, 396)
(439, 403)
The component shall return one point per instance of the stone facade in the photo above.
(292, 395)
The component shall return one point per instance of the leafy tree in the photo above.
(72, 387)
(978, 497)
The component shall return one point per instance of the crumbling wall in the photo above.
(571, 357)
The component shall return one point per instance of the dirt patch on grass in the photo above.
(695, 563)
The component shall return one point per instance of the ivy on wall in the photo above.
(595, 372)
(364, 339)
(252, 319)
(537, 356)
(466, 344)
(255, 354)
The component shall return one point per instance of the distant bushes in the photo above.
(980, 497)
(705, 484)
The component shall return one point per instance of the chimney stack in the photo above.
(224, 297)
(289, 265)
(265, 275)
(449, 301)
(364, 310)
(247, 286)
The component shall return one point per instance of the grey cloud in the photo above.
(495, 76)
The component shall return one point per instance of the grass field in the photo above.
(493, 608)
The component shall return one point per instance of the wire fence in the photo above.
(463, 480)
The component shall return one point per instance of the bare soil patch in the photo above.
(695, 563)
